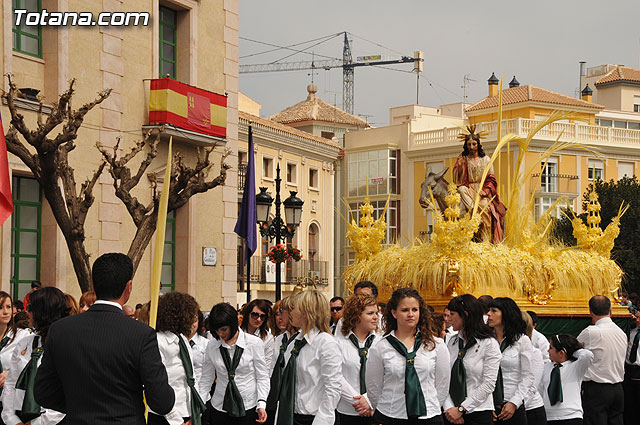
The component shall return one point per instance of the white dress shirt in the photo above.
(269, 343)
(252, 374)
(12, 397)
(450, 333)
(7, 352)
(571, 374)
(111, 303)
(481, 364)
(632, 336)
(608, 343)
(541, 343)
(533, 399)
(169, 348)
(197, 354)
(517, 371)
(386, 378)
(338, 328)
(318, 376)
(277, 342)
(351, 372)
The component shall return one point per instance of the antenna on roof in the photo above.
(465, 83)
(313, 67)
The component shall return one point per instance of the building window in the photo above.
(267, 167)
(168, 42)
(168, 275)
(25, 235)
(376, 169)
(392, 218)
(606, 123)
(313, 244)
(313, 178)
(27, 39)
(636, 104)
(549, 176)
(292, 173)
(596, 170)
(542, 204)
(327, 135)
(625, 169)
(620, 124)
(633, 125)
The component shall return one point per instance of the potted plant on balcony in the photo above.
(294, 253)
(278, 254)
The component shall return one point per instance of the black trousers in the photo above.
(484, 417)
(603, 404)
(519, 417)
(218, 417)
(537, 416)
(575, 421)
(353, 420)
(631, 386)
(299, 419)
(381, 419)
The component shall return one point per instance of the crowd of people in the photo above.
(306, 360)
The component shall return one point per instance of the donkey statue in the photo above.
(439, 187)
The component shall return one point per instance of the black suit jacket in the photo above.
(96, 365)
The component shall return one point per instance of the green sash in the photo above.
(287, 396)
(458, 382)
(555, 385)
(363, 358)
(413, 396)
(26, 381)
(276, 376)
(232, 403)
(197, 405)
(498, 392)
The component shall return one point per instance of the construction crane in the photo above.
(347, 64)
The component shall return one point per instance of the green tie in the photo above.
(555, 385)
(192, 343)
(26, 381)
(458, 383)
(232, 402)
(276, 376)
(413, 396)
(3, 344)
(363, 358)
(498, 393)
(287, 396)
(634, 348)
(197, 405)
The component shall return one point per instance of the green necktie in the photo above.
(634, 348)
(197, 405)
(287, 396)
(498, 393)
(458, 383)
(3, 344)
(276, 376)
(555, 385)
(232, 402)
(413, 396)
(26, 381)
(363, 358)
(192, 343)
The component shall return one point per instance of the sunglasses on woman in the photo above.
(256, 315)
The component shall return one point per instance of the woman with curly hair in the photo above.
(410, 365)
(255, 321)
(18, 402)
(561, 381)
(357, 337)
(515, 375)
(235, 359)
(475, 360)
(310, 386)
(176, 314)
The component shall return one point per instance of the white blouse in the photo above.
(7, 351)
(351, 372)
(277, 342)
(252, 374)
(318, 376)
(517, 371)
(481, 364)
(533, 399)
(269, 343)
(572, 374)
(12, 397)
(197, 354)
(170, 354)
(386, 375)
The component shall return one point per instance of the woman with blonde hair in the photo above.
(310, 387)
(357, 337)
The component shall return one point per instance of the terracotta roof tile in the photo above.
(531, 93)
(315, 109)
(287, 129)
(620, 73)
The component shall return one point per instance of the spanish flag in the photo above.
(188, 107)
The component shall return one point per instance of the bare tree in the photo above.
(50, 167)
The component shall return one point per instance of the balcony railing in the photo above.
(578, 132)
(293, 272)
(556, 184)
(242, 172)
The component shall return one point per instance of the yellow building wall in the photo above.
(528, 112)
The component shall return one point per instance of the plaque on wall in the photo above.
(209, 256)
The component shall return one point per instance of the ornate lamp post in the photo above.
(277, 229)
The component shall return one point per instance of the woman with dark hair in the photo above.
(255, 321)
(10, 335)
(515, 375)
(356, 339)
(467, 174)
(18, 402)
(176, 314)
(198, 344)
(475, 360)
(72, 304)
(235, 360)
(561, 381)
(408, 370)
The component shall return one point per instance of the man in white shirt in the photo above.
(602, 393)
(538, 339)
(632, 375)
(336, 305)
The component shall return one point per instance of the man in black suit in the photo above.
(97, 364)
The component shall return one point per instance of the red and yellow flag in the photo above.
(187, 107)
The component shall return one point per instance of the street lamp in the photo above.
(277, 229)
